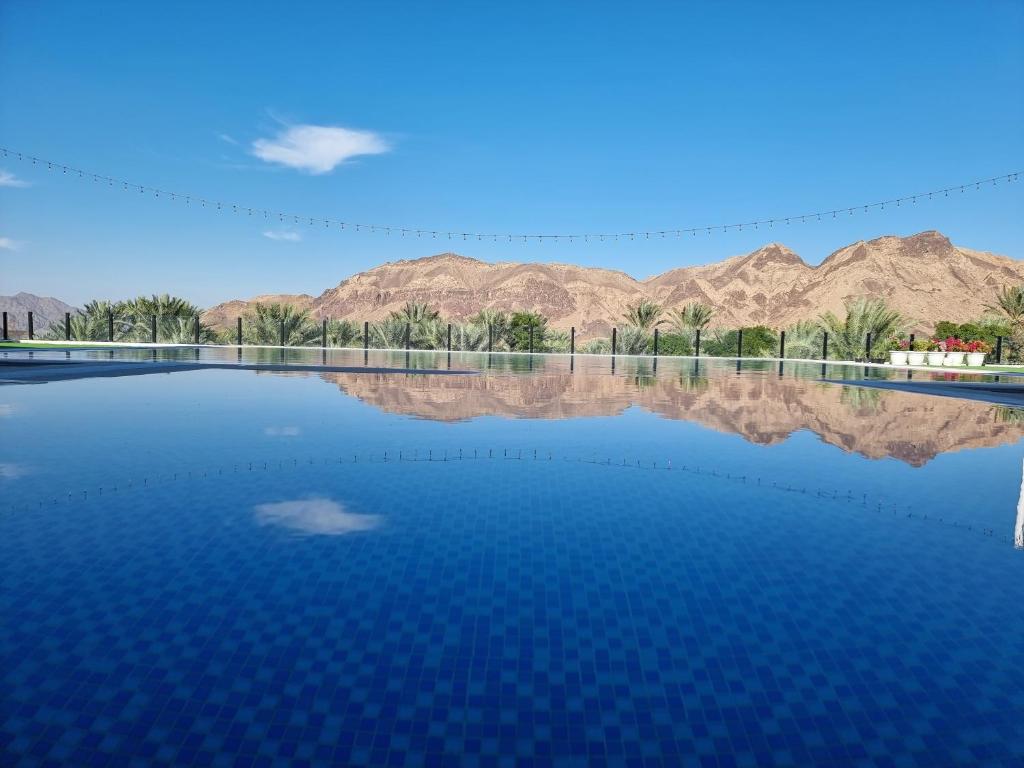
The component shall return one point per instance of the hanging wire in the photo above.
(510, 236)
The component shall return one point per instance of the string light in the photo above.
(511, 237)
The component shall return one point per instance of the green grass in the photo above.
(35, 345)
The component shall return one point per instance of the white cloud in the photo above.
(227, 138)
(283, 234)
(318, 149)
(6, 244)
(315, 516)
(8, 179)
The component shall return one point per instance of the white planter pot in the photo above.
(955, 358)
(975, 358)
(897, 357)
(936, 358)
(915, 358)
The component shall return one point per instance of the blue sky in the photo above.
(536, 117)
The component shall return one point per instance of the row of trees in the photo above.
(419, 326)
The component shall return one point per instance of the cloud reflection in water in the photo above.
(314, 516)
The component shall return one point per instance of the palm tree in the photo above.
(644, 314)
(848, 337)
(633, 340)
(1010, 302)
(342, 333)
(389, 333)
(499, 323)
(92, 323)
(471, 337)
(263, 325)
(803, 339)
(695, 316)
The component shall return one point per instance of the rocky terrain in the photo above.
(925, 276)
(45, 310)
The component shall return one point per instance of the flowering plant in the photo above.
(953, 344)
(978, 346)
(934, 345)
(920, 345)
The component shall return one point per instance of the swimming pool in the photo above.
(537, 561)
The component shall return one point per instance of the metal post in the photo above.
(195, 328)
(282, 332)
(531, 339)
(999, 343)
(67, 326)
(110, 326)
(238, 331)
(323, 334)
(655, 342)
(614, 340)
(739, 343)
(5, 327)
(910, 346)
(782, 344)
(31, 327)
(572, 340)
(490, 337)
(407, 336)
(867, 349)
(824, 346)
(152, 329)
(366, 335)
(697, 351)
(449, 337)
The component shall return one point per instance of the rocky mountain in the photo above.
(45, 310)
(925, 276)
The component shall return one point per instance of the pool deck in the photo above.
(988, 392)
(41, 371)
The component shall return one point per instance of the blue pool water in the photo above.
(525, 565)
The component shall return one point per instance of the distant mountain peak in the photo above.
(924, 275)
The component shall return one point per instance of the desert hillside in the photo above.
(925, 276)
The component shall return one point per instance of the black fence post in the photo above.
(824, 346)
(152, 329)
(408, 334)
(366, 335)
(910, 346)
(67, 326)
(195, 328)
(867, 349)
(572, 340)
(782, 345)
(490, 337)
(449, 337)
(697, 344)
(238, 331)
(110, 326)
(739, 343)
(323, 334)
(999, 343)
(655, 342)
(615, 332)
(5, 327)
(531, 339)
(31, 327)
(282, 332)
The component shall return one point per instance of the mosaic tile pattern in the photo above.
(501, 613)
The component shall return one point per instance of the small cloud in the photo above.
(6, 244)
(318, 516)
(12, 471)
(282, 431)
(8, 179)
(285, 235)
(226, 138)
(318, 149)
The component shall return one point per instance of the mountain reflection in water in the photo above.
(761, 406)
